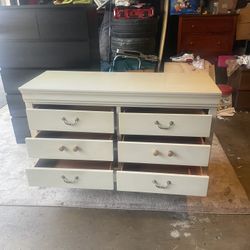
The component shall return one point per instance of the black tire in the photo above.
(134, 26)
(144, 45)
(132, 34)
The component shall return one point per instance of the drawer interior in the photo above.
(164, 169)
(74, 135)
(164, 139)
(164, 110)
(73, 164)
(73, 107)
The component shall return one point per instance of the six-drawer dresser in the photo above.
(136, 132)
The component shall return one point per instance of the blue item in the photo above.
(179, 7)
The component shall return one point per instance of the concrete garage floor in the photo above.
(47, 228)
(38, 228)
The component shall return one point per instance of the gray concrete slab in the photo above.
(34, 228)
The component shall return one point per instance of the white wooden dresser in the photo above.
(137, 132)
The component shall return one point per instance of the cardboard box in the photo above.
(243, 25)
(227, 5)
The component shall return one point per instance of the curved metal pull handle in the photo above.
(66, 122)
(160, 186)
(66, 180)
(160, 126)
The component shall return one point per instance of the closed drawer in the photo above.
(71, 120)
(28, 54)
(163, 153)
(71, 174)
(205, 25)
(68, 146)
(16, 105)
(165, 124)
(167, 180)
(18, 24)
(206, 43)
(74, 23)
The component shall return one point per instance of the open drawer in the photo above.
(71, 174)
(74, 146)
(75, 120)
(164, 122)
(163, 179)
(164, 150)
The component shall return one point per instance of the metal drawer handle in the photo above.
(160, 126)
(66, 122)
(170, 153)
(66, 180)
(160, 186)
(156, 152)
(76, 149)
(62, 148)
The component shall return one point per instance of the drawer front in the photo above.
(74, 149)
(18, 24)
(204, 25)
(71, 120)
(74, 23)
(162, 183)
(165, 124)
(206, 44)
(71, 178)
(45, 54)
(164, 153)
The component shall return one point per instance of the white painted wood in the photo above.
(117, 89)
(163, 32)
(87, 179)
(158, 153)
(181, 184)
(89, 121)
(50, 148)
(184, 124)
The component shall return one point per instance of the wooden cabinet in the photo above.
(208, 35)
(143, 132)
(240, 81)
(34, 38)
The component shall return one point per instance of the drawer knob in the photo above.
(160, 126)
(193, 26)
(156, 152)
(66, 122)
(76, 149)
(170, 153)
(160, 186)
(66, 180)
(62, 148)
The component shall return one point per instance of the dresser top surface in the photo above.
(129, 83)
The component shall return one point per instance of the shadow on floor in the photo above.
(234, 136)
